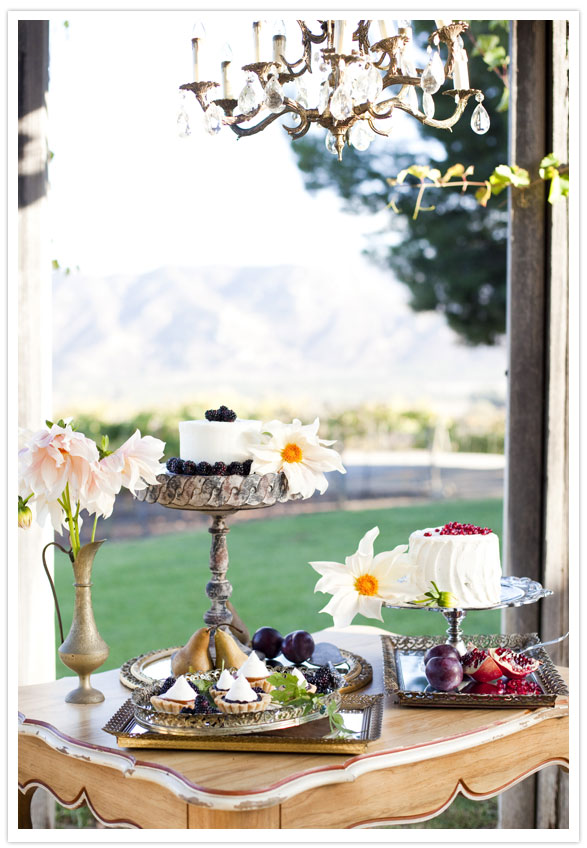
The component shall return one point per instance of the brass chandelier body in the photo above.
(387, 55)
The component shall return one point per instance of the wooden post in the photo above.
(536, 502)
(36, 642)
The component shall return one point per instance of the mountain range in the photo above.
(338, 336)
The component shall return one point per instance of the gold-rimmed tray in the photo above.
(315, 737)
(156, 665)
(404, 677)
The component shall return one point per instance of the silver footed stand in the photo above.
(219, 496)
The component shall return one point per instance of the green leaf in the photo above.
(55, 264)
(504, 102)
(483, 193)
(549, 162)
(555, 192)
(49, 423)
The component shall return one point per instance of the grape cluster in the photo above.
(223, 413)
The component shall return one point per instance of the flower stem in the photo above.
(94, 528)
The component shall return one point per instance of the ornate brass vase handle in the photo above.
(50, 579)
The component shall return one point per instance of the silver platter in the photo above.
(220, 724)
(515, 592)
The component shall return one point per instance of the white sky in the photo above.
(129, 195)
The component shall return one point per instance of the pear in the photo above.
(238, 627)
(227, 650)
(195, 654)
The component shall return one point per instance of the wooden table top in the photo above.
(408, 735)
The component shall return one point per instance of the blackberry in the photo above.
(167, 684)
(223, 413)
(175, 465)
(234, 468)
(201, 705)
(247, 467)
(327, 679)
(189, 467)
(219, 468)
(204, 468)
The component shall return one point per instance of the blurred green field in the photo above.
(150, 593)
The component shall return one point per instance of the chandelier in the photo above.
(348, 81)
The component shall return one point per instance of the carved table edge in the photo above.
(292, 785)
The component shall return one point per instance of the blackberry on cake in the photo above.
(219, 469)
(189, 467)
(204, 468)
(175, 465)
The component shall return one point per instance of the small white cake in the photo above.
(218, 441)
(459, 558)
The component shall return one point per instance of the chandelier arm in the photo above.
(447, 123)
(242, 131)
(370, 108)
(373, 126)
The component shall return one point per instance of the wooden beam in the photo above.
(536, 501)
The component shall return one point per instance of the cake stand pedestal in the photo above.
(515, 592)
(220, 497)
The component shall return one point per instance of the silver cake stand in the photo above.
(515, 592)
(220, 497)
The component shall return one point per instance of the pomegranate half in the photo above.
(479, 665)
(513, 665)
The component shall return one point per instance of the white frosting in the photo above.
(297, 673)
(180, 691)
(225, 680)
(218, 441)
(467, 566)
(241, 690)
(254, 668)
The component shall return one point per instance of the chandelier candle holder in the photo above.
(351, 69)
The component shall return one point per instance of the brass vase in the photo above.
(84, 650)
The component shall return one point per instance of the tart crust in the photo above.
(166, 706)
(247, 707)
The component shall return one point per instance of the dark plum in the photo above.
(298, 646)
(444, 650)
(444, 673)
(268, 640)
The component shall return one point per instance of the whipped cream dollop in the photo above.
(225, 680)
(241, 690)
(253, 668)
(180, 691)
(297, 673)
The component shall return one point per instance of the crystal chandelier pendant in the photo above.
(480, 121)
(249, 99)
(302, 95)
(213, 117)
(274, 97)
(374, 83)
(183, 121)
(428, 105)
(433, 75)
(361, 135)
(324, 96)
(341, 105)
(330, 142)
(410, 98)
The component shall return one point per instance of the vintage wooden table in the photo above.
(413, 772)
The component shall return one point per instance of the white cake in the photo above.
(459, 558)
(218, 441)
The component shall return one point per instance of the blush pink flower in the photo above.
(54, 458)
(103, 484)
(139, 461)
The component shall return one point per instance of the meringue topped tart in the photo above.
(241, 698)
(225, 681)
(302, 680)
(177, 697)
(254, 669)
(459, 558)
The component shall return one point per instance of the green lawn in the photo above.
(150, 593)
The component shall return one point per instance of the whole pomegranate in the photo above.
(479, 665)
(513, 665)
(444, 673)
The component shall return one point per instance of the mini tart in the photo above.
(260, 683)
(242, 706)
(166, 706)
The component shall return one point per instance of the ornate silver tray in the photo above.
(404, 677)
(156, 665)
(219, 724)
(363, 724)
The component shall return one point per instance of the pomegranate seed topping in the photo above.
(455, 528)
